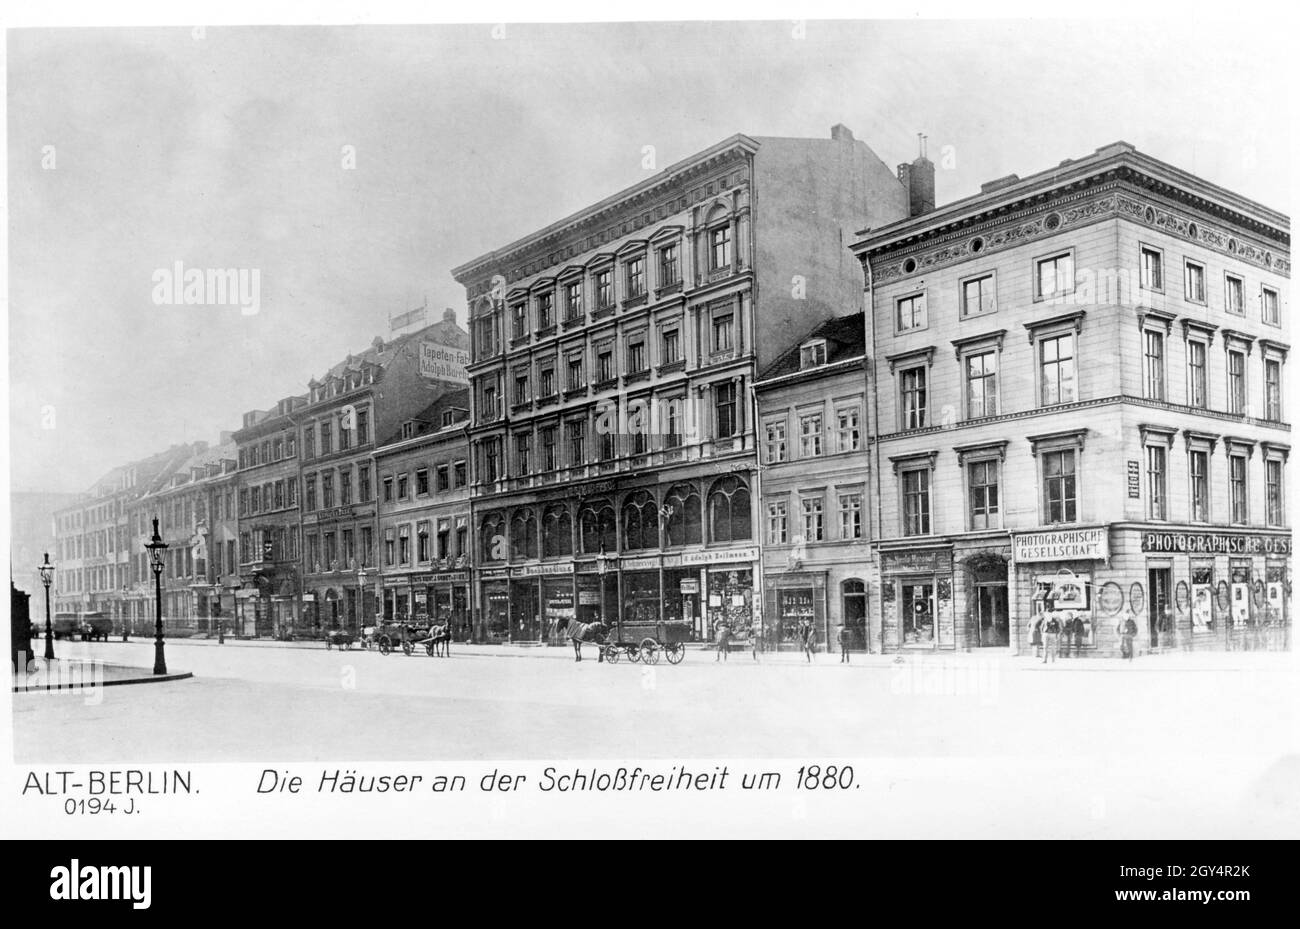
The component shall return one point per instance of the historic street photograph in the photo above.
(890, 391)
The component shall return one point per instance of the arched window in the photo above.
(597, 525)
(729, 518)
(491, 536)
(557, 531)
(683, 523)
(523, 534)
(640, 521)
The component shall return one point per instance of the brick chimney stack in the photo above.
(918, 178)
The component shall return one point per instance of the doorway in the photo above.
(918, 615)
(855, 613)
(1158, 586)
(992, 619)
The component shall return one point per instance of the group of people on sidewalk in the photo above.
(1052, 633)
(805, 635)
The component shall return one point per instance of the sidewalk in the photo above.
(83, 673)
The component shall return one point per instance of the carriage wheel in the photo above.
(675, 652)
(611, 653)
(428, 649)
(385, 645)
(633, 653)
(649, 651)
(406, 647)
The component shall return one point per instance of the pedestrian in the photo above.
(1051, 638)
(1128, 629)
(755, 637)
(723, 632)
(1078, 631)
(1036, 635)
(809, 640)
(843, 634)
(1067, 630)
(221, 633)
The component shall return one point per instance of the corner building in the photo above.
(1078, 405)
(614, 355)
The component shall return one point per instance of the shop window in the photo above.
(640, 522)
(729, 510)
(557, 531)
(523, 535)
(598, 527)
(492, 537)
(683, 524)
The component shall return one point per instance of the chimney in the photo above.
(226, 437)
(998, 183)
(449, 315)
(920, 182)
(841, 133)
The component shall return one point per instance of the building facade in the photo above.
(818, 563)
(31, 536)
(614, 356)
(424, 518)
(1077, 406)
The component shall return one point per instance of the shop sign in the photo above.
(1215, 543)
(719, 557)
(537, 570)
(493, 573)
(933, 561)
(1062, 545)
(640, 564)
(441, 577)
(1134, 480)
(689, 585)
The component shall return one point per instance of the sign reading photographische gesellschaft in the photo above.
(1062, 545)
(1215, 543)
(444, 362)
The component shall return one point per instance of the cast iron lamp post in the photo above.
(47, 577)
(157, 554)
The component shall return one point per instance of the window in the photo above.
(1055, 276)
(729, 517)
(459, 474)
(682, 526)
(363, 483)
(1060, 490)
(723, 332)
(777, 523)
(848, 432)
(1153, 276)
(363, 428)
(311, 492)
(404, 544)
(462, 535)
(669, 270)
(605, 361)
(724, 407)
(422, 482)
(670, 347)
(810, 435)
(443, 478)
(518, 321)
(573, 300)
(640, 522)
(609, 415)
(1237, 488)
(557, 531)
(1273, 477)
(1273, 389)
(1198, 465)
(345, 488)
(1196, 375)
(492, 460)
(850, 516)
(326, 443)
(1154, 360)
(546, 311)
(331, 551)
(1271, 310)
(813, 354)
(349, 548)
(981, 384)
(672, 417)
(978, 296)
(812, 519)
(720, 248)
(388, 490)
(523, 453)
(546, 381)
(403, 487)
(604, 290)
(521, 388)
(910, 313)
(548, 448)
(1157, 483)
(912, 384)
(408, 430)
(636, 359)
(574, 373)
(1057, 367)
(1234, 295)
(982, 477)
(1236, 382)
(636, 278)
(308, 442)
(1194, 282)
(916, 501)
(577, 443)
(441, 544)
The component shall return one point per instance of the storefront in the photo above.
(1063, 573)
(527, 603)
(916, 592)
(793, 599)
(437, 598)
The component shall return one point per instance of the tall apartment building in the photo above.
(614, 355)
(31, 537)
(424, 517)
(1077, 405)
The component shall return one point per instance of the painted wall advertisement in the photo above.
(1202, 605)
(444, 362)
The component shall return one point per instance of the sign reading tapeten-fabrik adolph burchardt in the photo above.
(443, 362)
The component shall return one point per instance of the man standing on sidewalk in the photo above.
(1051, 637)
(843, 634)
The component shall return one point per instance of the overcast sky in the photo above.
(225, 149)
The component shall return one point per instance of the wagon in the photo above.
(340, 639)
(406, 636)
(646, 641)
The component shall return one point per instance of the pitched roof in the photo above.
(845, 338)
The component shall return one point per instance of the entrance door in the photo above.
(1159, 613)
(918, 615)
(992, 618)
(855, 612)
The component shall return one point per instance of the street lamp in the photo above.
(602, 560)
(361, 598)
(157, 552)
(47, 577)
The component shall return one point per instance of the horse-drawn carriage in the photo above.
(646, 641)
(340, 639)
(409, 635)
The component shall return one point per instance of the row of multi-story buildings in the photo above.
(776, 384)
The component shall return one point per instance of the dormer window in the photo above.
(812, 354)
(448, 417)
(408, 430)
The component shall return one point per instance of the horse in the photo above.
(586, 632)
(440, 638)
